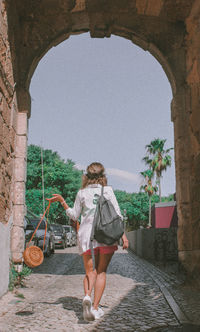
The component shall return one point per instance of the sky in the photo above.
(102, 100)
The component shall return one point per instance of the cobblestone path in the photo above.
(53, 298)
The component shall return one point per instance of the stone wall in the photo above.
(189, 164)
(17, 234)
(7, 147)
(154, 244)
(7, 121)
(169, 30)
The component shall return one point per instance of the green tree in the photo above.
(148, 188)
(158, 159)
(59, 177)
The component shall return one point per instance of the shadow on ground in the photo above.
(131, 314)
(182, 328)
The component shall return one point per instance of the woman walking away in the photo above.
(85, 205)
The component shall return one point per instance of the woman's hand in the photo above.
(56, 198)
(75, 224)
(125, 241)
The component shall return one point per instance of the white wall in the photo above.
(4, 256)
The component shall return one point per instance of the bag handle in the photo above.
(47, 210)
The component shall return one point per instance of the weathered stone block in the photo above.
(141, 6)
(184, 213)
(19, 193)
(3, 185)
(23, 99)
(195, 123)
(21, 146)
(188, 237)
(193, 76)
(3, 155)
(194, 144)
(6, 138)
(14, 115)
(191, 262)
(9, 168)
(20, 169)
(17, 236)
(12, 138)
(181, 129)
(1, 128)
(18, 215)
(17, 257)
(195, 212)
(183, 188)
(80, 6)
(183, 153)
(22, 124)
(154, 7)
(195, 192)
(185, 241)
(2, 209)
(6, 113)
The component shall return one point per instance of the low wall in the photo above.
(5, 256)
(154, 244)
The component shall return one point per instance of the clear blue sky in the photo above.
(102, 100)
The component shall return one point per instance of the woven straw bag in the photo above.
(33, 256)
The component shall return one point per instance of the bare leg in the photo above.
(90, 274)
(104, 260)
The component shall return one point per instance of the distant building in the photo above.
(164, 215)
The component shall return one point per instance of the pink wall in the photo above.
(164, 215)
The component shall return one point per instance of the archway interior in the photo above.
(102, 100)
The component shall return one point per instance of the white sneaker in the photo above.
(97, 313)
(87, 306)
(101, 312)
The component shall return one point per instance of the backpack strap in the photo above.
(102, 191)
(92, 235)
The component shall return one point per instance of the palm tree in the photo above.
(148, 187)
(158, 158)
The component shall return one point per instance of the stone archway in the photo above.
(167, 29)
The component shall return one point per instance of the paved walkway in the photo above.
(132, 301)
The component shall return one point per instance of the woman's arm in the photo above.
(125, 241)
(74, 212)
(58, 198)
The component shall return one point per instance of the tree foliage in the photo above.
(148, 187)
(59, 177)
(157, 158)
(137, 207)
(63, 178)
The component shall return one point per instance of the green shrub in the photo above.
(16, 278)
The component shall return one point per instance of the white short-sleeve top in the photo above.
(85, 205)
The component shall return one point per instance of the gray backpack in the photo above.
(108, 227)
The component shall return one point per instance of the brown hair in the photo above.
(95, 175)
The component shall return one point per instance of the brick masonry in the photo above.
(169, 30)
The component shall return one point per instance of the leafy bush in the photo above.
(16, 278)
